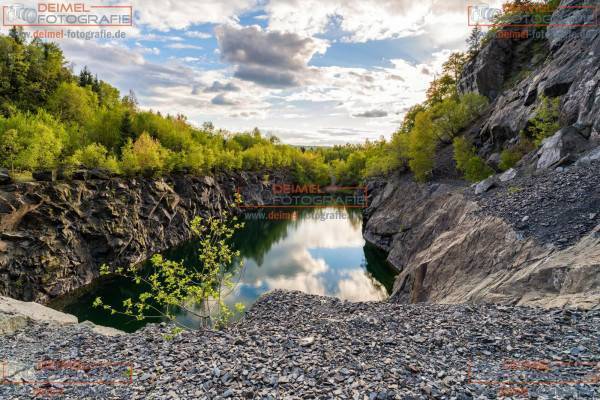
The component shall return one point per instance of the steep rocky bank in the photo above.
(530, 236)
(296, 346)
(531, 241)
(55, 235)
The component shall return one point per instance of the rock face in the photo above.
(54, 236)
(530, 241)
(562, 147)
(531, 235)
(565, 63)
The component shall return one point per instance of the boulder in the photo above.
(44, 176)
(80, 175)
(486, 185)
(561, 148)
(508, 175)
(593, 155)
(99, 174)
(494, 160)
(10, 323)
(35, 312)
(5, 178)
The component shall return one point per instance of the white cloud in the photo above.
(184, 46)
(198, 35)
(180, 14)
(364, 20)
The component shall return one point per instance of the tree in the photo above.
(422, 144)
(199, 289)
(94, 156)
(546, 121)
(474, 41)
(10, 148)
(16, 34)
(145, 156)
(454, 65)
(86, 78)
(73, 103)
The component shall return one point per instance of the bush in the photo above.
(145, 156)
(509, 158)
(95, 156)
(546, 121)
(471, 165)
(35, 141)
(199, 289)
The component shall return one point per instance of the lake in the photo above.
(318, 251)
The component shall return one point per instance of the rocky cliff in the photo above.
(532, 234)
(55, 235)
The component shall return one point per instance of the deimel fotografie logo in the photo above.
(67, 14)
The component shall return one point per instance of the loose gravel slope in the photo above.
(296, 346)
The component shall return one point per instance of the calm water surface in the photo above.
(325, 257)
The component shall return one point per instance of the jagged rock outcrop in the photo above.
(564, 62)
(528, 236)
(530, 241)
(55, 235)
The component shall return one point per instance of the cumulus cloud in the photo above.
(365, 20)
(271, 59)
(371, 114)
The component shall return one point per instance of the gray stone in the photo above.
(486, 185)
(44, 176)
(508, 175)
(80, 175)
(35, 312)
(561, 147)
(5, 178)
(593, 155)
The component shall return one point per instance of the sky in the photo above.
(312, 72)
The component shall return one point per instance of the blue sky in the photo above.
(313, 72)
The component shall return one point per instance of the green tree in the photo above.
(467, 161)
(10, 147)
(72, 103)
(474, 41)
(422, 145)
(94, 156)
(145, 156)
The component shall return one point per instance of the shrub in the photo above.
(473, 167)
(95, 156)
(198, 289)
(546, 121)
(144, 156)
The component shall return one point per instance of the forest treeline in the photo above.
(51, 118)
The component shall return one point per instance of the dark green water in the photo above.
(324, 256)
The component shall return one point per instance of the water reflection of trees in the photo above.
(377, 266)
